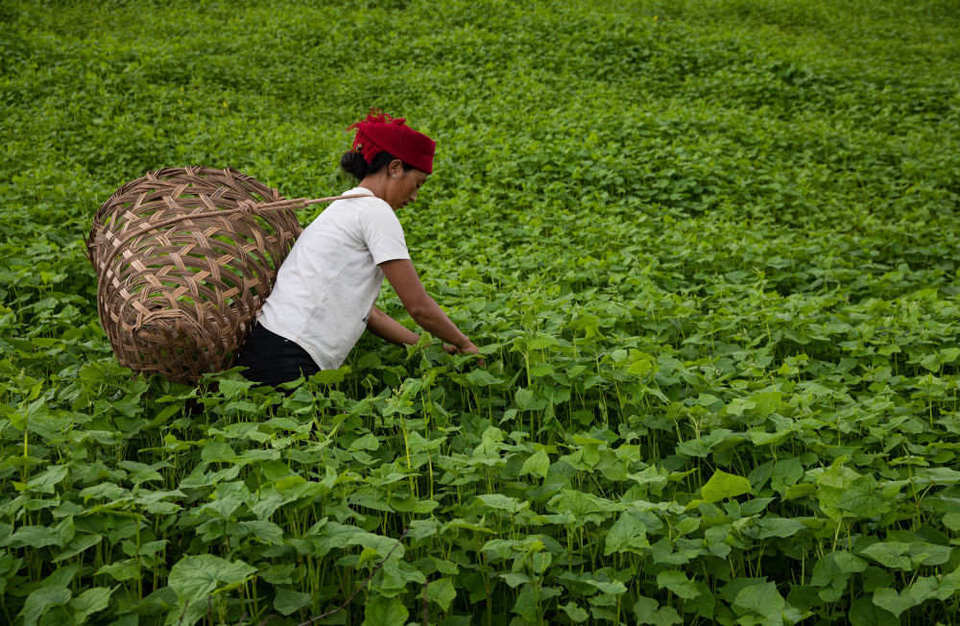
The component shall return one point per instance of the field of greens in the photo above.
(709, 249)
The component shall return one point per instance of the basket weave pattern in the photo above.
(185, 258)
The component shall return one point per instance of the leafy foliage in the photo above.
(709, 249)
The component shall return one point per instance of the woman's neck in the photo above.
(377, 183)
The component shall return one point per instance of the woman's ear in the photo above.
(395, 168)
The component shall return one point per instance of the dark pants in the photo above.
(271, 359)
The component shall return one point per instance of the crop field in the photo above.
(710, 251)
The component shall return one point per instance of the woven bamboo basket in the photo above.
(184, 259)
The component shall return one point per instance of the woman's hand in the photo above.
(468, 348)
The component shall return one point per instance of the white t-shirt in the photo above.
(330, 280)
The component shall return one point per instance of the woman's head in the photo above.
(353, 163)
(381, 139)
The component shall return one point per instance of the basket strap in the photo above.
(245, 207)
(332, 198)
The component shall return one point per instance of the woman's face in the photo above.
(402, 185)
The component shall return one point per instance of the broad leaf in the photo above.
(723, 485)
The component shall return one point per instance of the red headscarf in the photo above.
(382, 133)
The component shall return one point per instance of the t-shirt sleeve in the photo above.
(383, 234)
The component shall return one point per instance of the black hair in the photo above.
(353, 163)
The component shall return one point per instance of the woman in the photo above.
(326, 288)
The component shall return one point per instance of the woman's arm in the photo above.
(422, 308)
(385, 327)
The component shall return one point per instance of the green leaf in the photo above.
(331, 377)
(785, 473)
(366, 442)
(278, 574)
(950, 584)
(45, 482)
(766, 402)
(703, 605)
(229, 496)
(863, 612)
(195, 577)
(42, 600)
(687, 525)
(575, 613)
(715, 539)
(90, 602)
(527, 604)
(949, 355)
(527, 400)
(893, 554)
(266, 532)
(647, 612)
(614, 588)
(397, 574)
(423, 528)
(34, 537)
(141, 472)
(759, 438)
(779, 527)
(234, 388)
(442, 593)
(127, 569)
(930, 362)
(923, 589)
(586, 507)
(937, 476)
(889, 600)
(480, 377)
(628, 534)
(537, 464)
(287, 601)
(501, 502)
(836, 564)
(105, 491)
(928, 554)
(61, 577)
(686, 550)
(382, 611)
(723, 485)
(762, 599)
(642, 366)
(79, 544)
(832, 573)
(677, 582)
(515, 579)
(645, 609)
